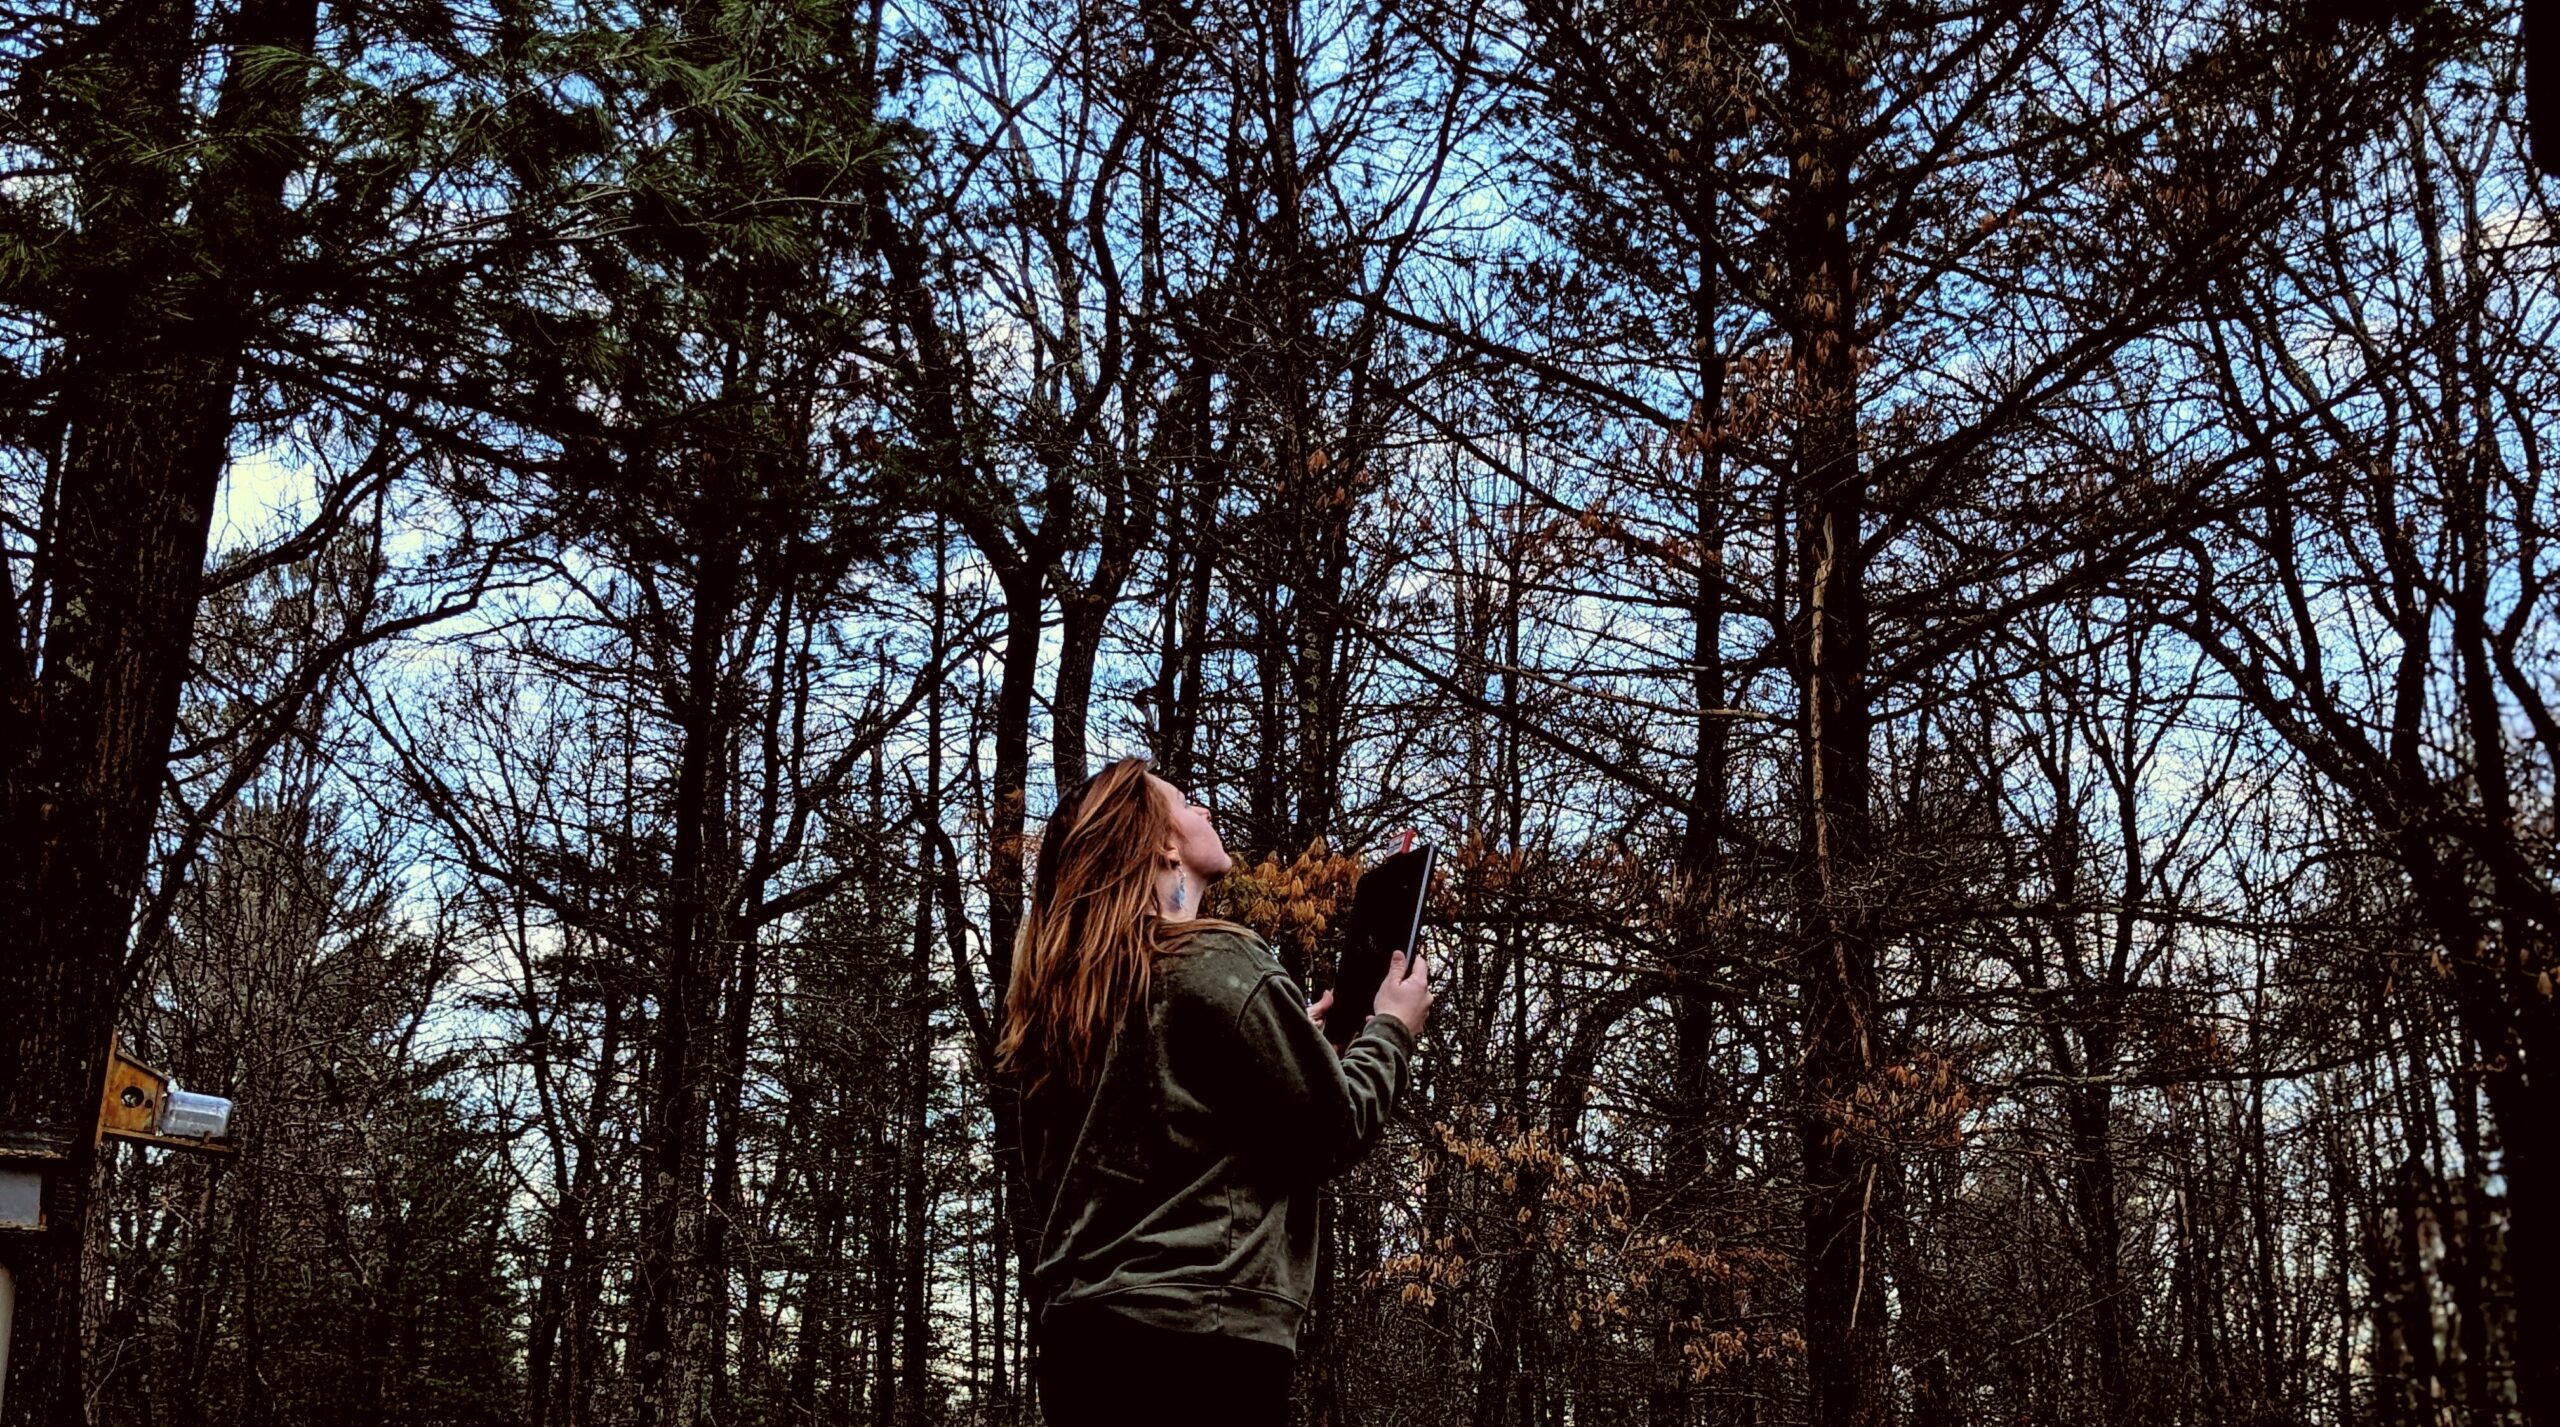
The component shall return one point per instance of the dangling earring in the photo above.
(1179, 881)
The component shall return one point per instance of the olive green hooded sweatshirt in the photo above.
(1180, 1190)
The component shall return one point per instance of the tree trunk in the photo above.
(916, 1343)
(1185, 664)
(1845, 1176)
(1082, 616)
(580, 1347)
(1008, 827)
(728, 1206)
(2532, 1173)
(2090, 1112)
(1698, 884)
(816, 1326)
(84, 740)
(884, 1270)
(672, 1154)
(542, 1332)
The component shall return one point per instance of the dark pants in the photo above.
(1095, 1367)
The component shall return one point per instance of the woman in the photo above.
(1180, 1108)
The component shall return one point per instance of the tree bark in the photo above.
(1007, 831)
(1844, 1327)
(671, 1154)
(916, 1342)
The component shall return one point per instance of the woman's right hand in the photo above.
(1406, 993)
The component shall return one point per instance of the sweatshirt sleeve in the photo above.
(1303, 1105)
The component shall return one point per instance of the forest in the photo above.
(1965, 586)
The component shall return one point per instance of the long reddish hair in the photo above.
(1088, 947)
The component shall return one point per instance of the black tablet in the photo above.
(1386, 916)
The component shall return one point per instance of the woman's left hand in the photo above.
(1316, 1013)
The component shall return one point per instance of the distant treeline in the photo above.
(1968, 587)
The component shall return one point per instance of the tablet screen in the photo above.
(1386, 915)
